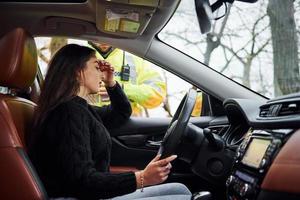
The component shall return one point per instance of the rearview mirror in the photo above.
(206, 8)
(204, 15)
(248, 1)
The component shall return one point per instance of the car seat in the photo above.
(18, 69)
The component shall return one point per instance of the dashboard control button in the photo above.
(246, 190)
(264, 163)
(230, 180)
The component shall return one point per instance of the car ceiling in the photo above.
(78, 20)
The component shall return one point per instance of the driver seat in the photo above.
(18, 69)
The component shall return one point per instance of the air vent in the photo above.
(264, 111)
(280, 109)
(269, 110)
(289, 109)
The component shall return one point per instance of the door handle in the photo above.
(154, 143)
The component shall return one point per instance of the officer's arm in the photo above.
(150, 88)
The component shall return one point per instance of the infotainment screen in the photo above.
(255, 152)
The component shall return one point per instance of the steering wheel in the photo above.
(178, 125)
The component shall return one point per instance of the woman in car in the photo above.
(71, 145)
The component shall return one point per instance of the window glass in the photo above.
(153, 92)
(256, 44)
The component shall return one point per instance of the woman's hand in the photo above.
(157, 171)
(108, 73)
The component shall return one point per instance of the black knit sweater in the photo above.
(72, 150)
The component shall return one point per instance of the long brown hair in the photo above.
(61, 82)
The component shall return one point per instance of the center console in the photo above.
(253, 159)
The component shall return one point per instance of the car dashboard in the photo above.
(267, 141)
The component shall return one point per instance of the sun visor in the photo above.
(125, 18)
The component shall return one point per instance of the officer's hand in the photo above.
(107, 73)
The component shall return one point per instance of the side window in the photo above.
(152, 91)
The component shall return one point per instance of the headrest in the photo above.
(18, 59)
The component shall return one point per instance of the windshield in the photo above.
(256, 44)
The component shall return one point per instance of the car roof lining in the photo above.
(78, 21)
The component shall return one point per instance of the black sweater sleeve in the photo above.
(118, 111)
(75, 160)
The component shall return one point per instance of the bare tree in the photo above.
(249, 50)
(166, 104)
(285, 46)
(56, 43)
(42, 55)
(221, 36)
(214, 37)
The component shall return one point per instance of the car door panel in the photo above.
(136, 142)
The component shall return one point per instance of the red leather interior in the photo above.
(17, 181)
(121, 169)
(18, 57)
(284, 173)
(21, 112)
(17, 71)
(8, 133)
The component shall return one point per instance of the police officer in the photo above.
(143, 85)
